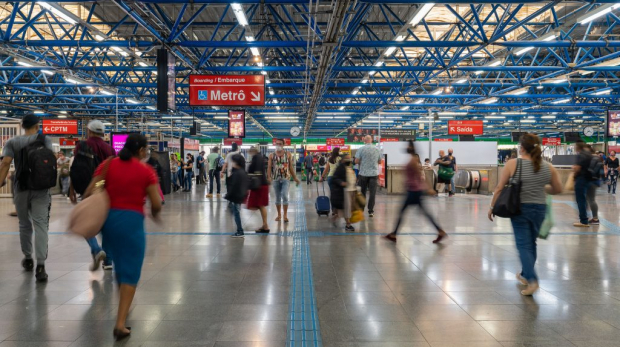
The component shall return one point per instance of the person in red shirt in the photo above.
(128, 181)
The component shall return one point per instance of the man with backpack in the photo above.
(36, 172)
(585, 171)
(216, 162)
(87, 157)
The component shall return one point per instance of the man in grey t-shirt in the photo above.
(33, 206)
(368, 158)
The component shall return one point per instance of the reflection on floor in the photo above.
(202, 288)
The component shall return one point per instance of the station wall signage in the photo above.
(236, 124)
(67, 142)
(444, 140)
(334, 142)
(227, 90)
(465, 127)
(357, 134)
(229, 142)
(60, 126)
(401, 134)
(190, 144)
(551, 141)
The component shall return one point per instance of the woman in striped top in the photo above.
(535, 176)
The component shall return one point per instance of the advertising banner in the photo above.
(236, 124)
(399, 134)
(613, 123)
(357, 135)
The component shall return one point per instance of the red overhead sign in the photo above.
(443, 140)
(465, 127)
(334, 142)
(60, 126)
(287, 142)
(67, 142)
(383, 139)
(227, 90)
(551, 141)
(229, 142)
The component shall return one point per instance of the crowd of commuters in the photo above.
(133, 178)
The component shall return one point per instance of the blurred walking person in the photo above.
(343, 192)
(237, 191)
(214, 160)
(416, 189)
(128, 182)
(258, 198)
(611, 166)
(534, 175)
(583, 181)
(330, 169)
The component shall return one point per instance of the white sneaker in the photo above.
(97, 260)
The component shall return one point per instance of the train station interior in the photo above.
(198, 84)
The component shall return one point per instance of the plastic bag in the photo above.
(570, 183)
(545, 228)
(356, 216)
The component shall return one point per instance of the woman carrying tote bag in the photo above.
(128, 182)
(534, 176)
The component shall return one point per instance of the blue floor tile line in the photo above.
(303, 322)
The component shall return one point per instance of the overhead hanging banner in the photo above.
(465, 127)
(236, 124)
(551, 141)
(357, 134)
(229, 142)
(401, 134)
(334, 142)
(227, 90)
(60, 126)
(613, 123)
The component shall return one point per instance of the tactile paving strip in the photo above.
(303, 324)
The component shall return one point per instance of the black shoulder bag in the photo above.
(508, 203)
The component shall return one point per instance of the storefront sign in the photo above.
(229, 142)
(400, 134)
(227, 90)
(383, 139)
(443, 140)
(551, 141)
(465, 127)
(60, 126)
(236, 124)
(613, 123)
(287, 142)
(191, 144)
(334, 142)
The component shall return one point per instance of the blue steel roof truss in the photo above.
(48, 63)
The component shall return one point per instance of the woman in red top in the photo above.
(416, 187)
(128, 182)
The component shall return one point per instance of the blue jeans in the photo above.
(175, 179)
(280, 187)
(452, 185)
(95, 248)
(214, 175)
(526, 227)
(188, 180)
(235, 208)
(581, 190)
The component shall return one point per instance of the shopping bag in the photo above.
(548, 222)
(356, 216)
(88, 217)
(570, 184)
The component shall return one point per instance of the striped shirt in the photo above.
(533, 183)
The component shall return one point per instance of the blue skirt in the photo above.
(123, 234)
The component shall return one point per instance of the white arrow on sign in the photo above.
(47, 129)
(451, 128)
(255, 96)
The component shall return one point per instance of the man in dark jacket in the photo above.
(237, 190)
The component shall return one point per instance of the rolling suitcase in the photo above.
(322, 203)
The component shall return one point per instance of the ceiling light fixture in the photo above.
(389, 51)
(57, 12)
(421, 13)
(238, 11)
(599, 12)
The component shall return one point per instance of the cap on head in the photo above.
(96, 126)
(30, 121)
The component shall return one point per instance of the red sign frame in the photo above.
(229, 142)
(236, 124)
(334, 141)
(444, 140)
(551, 141)
(227, 90)
(67, 142)
(60, 126)
(465, 127)
(287, 142)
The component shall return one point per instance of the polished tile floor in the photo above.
(202, 288)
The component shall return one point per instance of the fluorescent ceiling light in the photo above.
(281, 117)
(547, 117)
(263, 72)
(561, 101)
(63, 112)
(559, 80)
(39, 112)
(495, 117)
(255, 51)
(389, 51)
(379, 63)
(271, 92)
(539, 87)
(478, 72)
(602, 92)
(495, 63)
(419, 101)
(371, 73)
(464, 80)
(70, 80)
(528, 120)
(133, 101)
(152, 108)
(404, 108)
(599, 12)
(527, 49)
(105, 92)
(364, 81)
(24, 64)
(355, 91)
(267, 81)
(260, 64)
(347, 101)
(220, 117)
(62, 116)
(519, 92)
(341, 108)
(437, 92)
(238, 11)
(250, 38)
(179, 117)
(342, 117)
(48, 72)
(99, 37)
(575, 112)
(401, 38)
(57, 12)
(421, 13)
(143, 64)
(488, 101)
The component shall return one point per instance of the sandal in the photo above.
(285, 220)
(119, 335)
(262, 231)
(278, 219)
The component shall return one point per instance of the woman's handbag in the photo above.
(255, 182)
(88, 217)
(508, 203)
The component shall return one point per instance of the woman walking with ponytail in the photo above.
(535, 175)
(128, 181)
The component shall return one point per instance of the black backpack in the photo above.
(322, 161)
(84, 165)
(597, 168)
(219, 164)
(38, 169)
